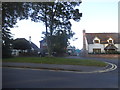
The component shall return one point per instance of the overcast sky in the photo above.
(99, 16)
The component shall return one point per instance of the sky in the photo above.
(98, 16)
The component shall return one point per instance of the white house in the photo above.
(101, 42)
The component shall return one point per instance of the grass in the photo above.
(55, 60)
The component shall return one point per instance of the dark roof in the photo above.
(21, 39)
(34, 46)
(110, 46)
(103, 37)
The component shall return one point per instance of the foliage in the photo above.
(59, 42)
(11, 12)
(56, 16)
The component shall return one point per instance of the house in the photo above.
(22, 41)
(34, 48)
(101, 42)
(43, 46)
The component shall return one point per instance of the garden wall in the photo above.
(115, 56)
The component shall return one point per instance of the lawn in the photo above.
(55, 60)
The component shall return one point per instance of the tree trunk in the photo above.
(47, 40)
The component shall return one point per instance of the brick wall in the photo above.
(116, 56)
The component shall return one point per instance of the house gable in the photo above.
(96, 40)
(110, 40)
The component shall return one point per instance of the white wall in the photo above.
(118, 46)
(86, 44)
(15, 52)
(102, 46)
(93, 46)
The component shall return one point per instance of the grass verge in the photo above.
(56, 60)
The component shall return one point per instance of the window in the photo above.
(110, 41)
(96, 51)
(96, 41)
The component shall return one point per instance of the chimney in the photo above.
(83, 31)
(84, 43)
(30, 39)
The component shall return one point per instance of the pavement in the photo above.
(78, 68)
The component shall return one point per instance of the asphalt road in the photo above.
(30, 78)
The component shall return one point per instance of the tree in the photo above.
(59, 43)
(56, 16)
(11, 12)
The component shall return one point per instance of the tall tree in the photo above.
(56, 16)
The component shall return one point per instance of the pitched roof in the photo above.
(34, 46)
(43, 41)
(110, 46)
(103, 37)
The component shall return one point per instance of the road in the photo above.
(31, 78)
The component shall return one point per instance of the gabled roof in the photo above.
(31, 44)
(43, 41)
(103, 37)
(110, 46)
(34, 46)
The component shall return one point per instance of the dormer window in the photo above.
(110, 40)
(96, 40)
